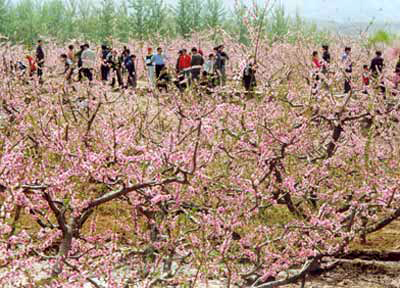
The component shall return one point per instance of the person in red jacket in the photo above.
(184, 65)
(31, 65)
(365, 79)
(316, 63)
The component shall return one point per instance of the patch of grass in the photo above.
(387, 239)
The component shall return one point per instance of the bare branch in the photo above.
(123, 191)
(59, 215)
(90, 122)
(195, 149)
(308, 266)
(383, 223)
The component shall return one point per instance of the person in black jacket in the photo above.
(79, 57)
(40, 59)
(377, 65)
(196, 63)
(129, 63)
(105, 68)
(249, 77)
(376, 69)
(220, 63)
(326, 56)
(398, 65)
(115, 63)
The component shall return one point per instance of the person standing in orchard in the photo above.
(78, 56)
(104, 67)
(129, 63)
(71, 53)
(376, 66)
(326, 57)
(180, 53)
(196, 63)
(159, 60)
(365, 79)
(125, 57)
(209, 66)
(316, 69)
(348, 69)
(40, 57)
(88, 62)
(221, 62)
(184, 64)
(209, 71)
(376, 69)
(249, 77)
(115, 63)
(68, 67)
(149, 65)
(32, 68)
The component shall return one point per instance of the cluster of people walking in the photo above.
(190, 68)
(372, 74)
(119, 68)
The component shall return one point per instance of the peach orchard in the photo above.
(154, 189)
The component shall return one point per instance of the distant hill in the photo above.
(351, 28)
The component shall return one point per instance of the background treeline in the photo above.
(24, 21)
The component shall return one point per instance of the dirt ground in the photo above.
(366, 269)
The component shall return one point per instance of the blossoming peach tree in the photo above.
(119, 189)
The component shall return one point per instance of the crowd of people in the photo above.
(372, 74)
(119, 67)
(192, 67)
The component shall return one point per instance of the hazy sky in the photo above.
(339, 10)
(347, 10)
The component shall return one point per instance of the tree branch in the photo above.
(308, 266)
(126, 190)
(59, 216)
(383, 223)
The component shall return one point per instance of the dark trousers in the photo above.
(87, 73)
(382, 87)
(196, 74)
(40, 70)
(117, 72)
(131, 79)
(80, 72)
(347, 86)
(249, 83)
(158, 70)
(105, 70)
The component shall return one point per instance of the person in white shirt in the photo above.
(209, 70)
(149, 63)
(348, 68)
(68, 67)
(88, 62)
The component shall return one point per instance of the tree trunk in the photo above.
(63, 252)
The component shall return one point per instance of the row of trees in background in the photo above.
(24, 21)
